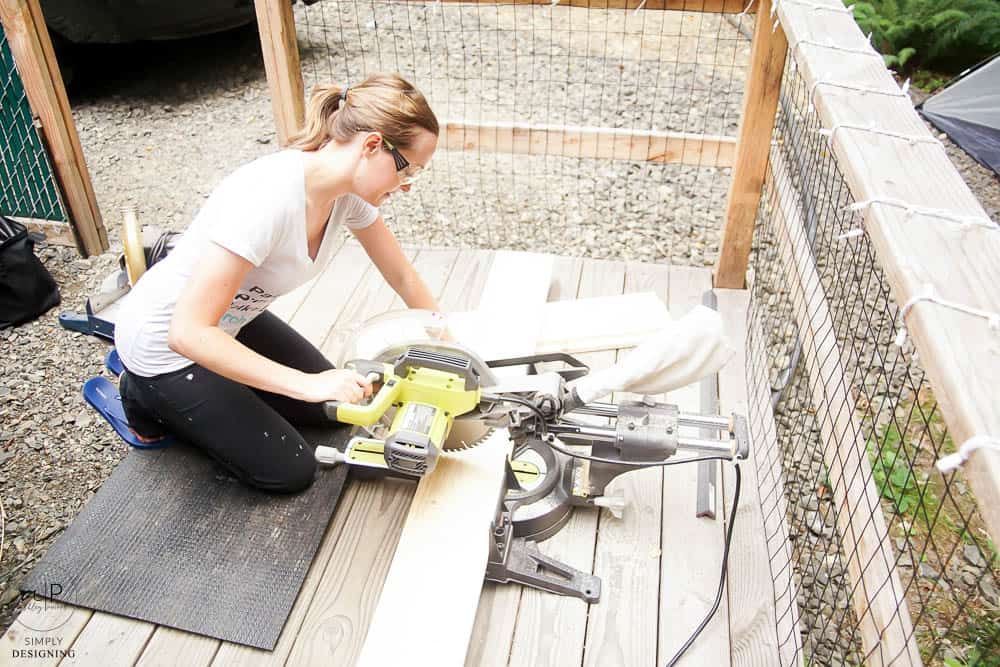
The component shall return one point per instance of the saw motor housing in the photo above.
(428, 389)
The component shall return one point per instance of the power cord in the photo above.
(722, 577)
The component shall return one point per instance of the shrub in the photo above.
(941, 35)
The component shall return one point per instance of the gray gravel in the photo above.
(161, 124)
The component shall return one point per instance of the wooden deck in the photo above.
(659, 564)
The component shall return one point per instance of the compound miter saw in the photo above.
(435, 396)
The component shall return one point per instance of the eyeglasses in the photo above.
(407, 172)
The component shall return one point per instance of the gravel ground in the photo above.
(161, 124)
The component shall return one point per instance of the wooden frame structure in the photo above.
(36, 63)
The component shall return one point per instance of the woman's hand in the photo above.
(335, 385)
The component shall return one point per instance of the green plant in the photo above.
(942, 35)
(895, 478)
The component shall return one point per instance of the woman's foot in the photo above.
(144, 439)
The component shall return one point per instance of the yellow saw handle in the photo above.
(365, 415)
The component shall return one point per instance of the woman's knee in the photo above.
(292, 474)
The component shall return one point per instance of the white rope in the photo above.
(965, 222)
(993, 319)
(911, 138)
(836, 47)
(866, 90)
(953, 461)
(746, 10)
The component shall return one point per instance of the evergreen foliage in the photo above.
(941, 35)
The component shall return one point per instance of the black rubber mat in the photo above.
(171, 538)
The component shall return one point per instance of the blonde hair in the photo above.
(384, 103)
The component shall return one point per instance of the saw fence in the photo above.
(800, 144)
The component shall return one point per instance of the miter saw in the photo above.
(435, 396)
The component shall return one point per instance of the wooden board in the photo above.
(442, 553)
(692, 546)
(752, 618)
(760, 103)
(728, 6)
(590, 142)
(504, 607)
(31, 47)
(592, 324)
(280, 50)
(551, 629)
(622, 628)
(956, 349)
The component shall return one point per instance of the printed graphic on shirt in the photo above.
(246, 305)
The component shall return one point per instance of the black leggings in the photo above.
(248, 431)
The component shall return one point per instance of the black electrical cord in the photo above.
(722, 577)
(648, 464)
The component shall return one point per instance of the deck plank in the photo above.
(549, 628)
(752, 620)
(497, 614)
(692, 546)
(621, 629)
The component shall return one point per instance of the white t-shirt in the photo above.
(257, 212)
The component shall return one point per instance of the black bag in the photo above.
(27, 289)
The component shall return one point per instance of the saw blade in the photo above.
(466, 434)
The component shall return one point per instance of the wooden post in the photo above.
(760, 102)
(281, 63)
(36, 63)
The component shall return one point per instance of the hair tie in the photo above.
(343, 94)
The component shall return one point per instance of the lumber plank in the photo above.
(494, 626)
(760, 103)
(956, 350)
(692, 546)
(752, 619)
(32, 49)
(169, 646)
(622, 629)
(700, 150)
(443, 539)
(337, 619)
(109, 639)
(878, 597)
(56, 233)
(570, 325)
(334, 624)
(551, 629)
(280, 50)
(726, 6)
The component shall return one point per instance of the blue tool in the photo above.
(103, 396)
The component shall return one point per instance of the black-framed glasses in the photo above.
(407, 172)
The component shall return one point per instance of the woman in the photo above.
(203, 360)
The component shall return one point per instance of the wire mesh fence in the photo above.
(552, 67)
(28, 188)
(891, 561)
